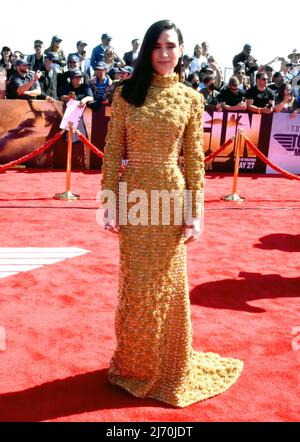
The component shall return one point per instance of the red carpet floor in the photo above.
(59, 319)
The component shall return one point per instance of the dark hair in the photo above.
(259, 75)
(5, 48)
(197, 46)
(234, 80)
(2, 55)
(21, 54)
(207, 79)
(192, 76)
(238, 70)
(135, 89)
(280, 94)
(269, 68)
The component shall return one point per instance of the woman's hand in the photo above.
(110, 225)
(193, 229)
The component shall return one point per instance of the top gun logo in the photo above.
(290, 142)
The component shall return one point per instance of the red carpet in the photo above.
(59, 318)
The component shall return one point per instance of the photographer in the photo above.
(24, 85)
(84, 62)
(250, 62)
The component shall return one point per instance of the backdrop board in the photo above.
(27, 125)
(284, 145)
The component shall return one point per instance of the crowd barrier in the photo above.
(27, 125)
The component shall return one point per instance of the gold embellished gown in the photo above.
(154, 355)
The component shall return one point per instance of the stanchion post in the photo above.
(68, 195)
(235, 196)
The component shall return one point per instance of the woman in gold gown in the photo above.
(153, 118)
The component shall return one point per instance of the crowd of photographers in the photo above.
(48, 74)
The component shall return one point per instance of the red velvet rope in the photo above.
(93, 148)
(31, 155)
(219, 150)
(89, 145)
(260, 155)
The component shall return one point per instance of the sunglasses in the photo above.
(264, 79)
(38, 46)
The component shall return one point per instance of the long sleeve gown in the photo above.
(154, 355)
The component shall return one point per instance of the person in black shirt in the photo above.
(77, 90)
(23, 85)
(245, 57)
(259, 98)
(278, 81)
(37, 60)
(231, 97)
(64, 79)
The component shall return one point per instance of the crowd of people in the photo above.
(253, 87)
(48, 74)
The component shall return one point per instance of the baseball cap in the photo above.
(106, 37)
(81, 42)
(206, 68)
(127, 69)
(76, 73)
(73, 58)
(56, 38)
(51, 56)
(240, 64)
(101, 65)
(40, 42)
(21, 62)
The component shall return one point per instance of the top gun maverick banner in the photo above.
(25, 126)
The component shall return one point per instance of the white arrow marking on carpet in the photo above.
(16, 260)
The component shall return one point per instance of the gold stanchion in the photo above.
(235, 196)
(68, 195)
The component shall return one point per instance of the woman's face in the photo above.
(6, 53)
(166, 52)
